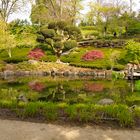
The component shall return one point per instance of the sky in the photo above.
(25, 14)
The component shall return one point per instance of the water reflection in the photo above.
(61, 89)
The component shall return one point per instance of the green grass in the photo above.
(74, 58)
(77, 112)
(18, 55)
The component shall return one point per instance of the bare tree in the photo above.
(8, 7)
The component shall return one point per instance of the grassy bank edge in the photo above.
(75, 112)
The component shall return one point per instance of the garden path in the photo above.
(19, 130)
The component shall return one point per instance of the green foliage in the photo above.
(39, 14)
(116, 75)
(133, 27)
(7, 40)
(58, 45)
(17, 55)
(40, 38)
(52, 25)
(138, 85)
(133, 51)
(73, 32)
(133, 100)
(77, 112)
(48, 33)
(69, 45)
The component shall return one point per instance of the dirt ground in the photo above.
(19, 130)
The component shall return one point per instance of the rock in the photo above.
(9, 67)
(66, 73)
(22, 98)
(106, 102)
(33, 62)
(46, 73)
(8, 73)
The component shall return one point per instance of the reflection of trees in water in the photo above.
(57, 94)
(119, 90)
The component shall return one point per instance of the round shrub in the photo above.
(57, 38)
(58, 45)
(40, 38)
(49, 41)
(48, 33)
(61, 25)
(52, 25)
(93, 55)
(73, 32)
(69, 45)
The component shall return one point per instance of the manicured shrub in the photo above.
(48, 33)
(69, 45)
(57, 38)
(36, 54)
(73, 32)
(52, 25)
(61, 25)
(93, 55)
(40, 38)
(58, 45)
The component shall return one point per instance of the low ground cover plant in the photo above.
(36, 54)
(93, 55)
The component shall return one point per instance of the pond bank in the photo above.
(53, 69)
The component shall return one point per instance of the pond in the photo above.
(70, 90)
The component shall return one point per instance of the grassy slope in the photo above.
(74, 58)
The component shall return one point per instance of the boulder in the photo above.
(8, 73)
(33, 62)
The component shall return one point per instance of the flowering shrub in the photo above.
(94, 87)
(93, 55)
(36, 54)
(36, 86)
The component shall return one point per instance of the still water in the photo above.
(70, 90)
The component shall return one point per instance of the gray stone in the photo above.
(106, 102)
(33, 62)
(8, 73)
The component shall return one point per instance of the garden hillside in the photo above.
(72, 61)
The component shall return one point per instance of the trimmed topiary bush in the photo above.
(48, 33)
(69, 45)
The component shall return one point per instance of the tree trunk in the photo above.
(61, 9)
(9, 53)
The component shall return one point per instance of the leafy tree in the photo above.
(133, 51)
(45, 11)
(7, 41)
